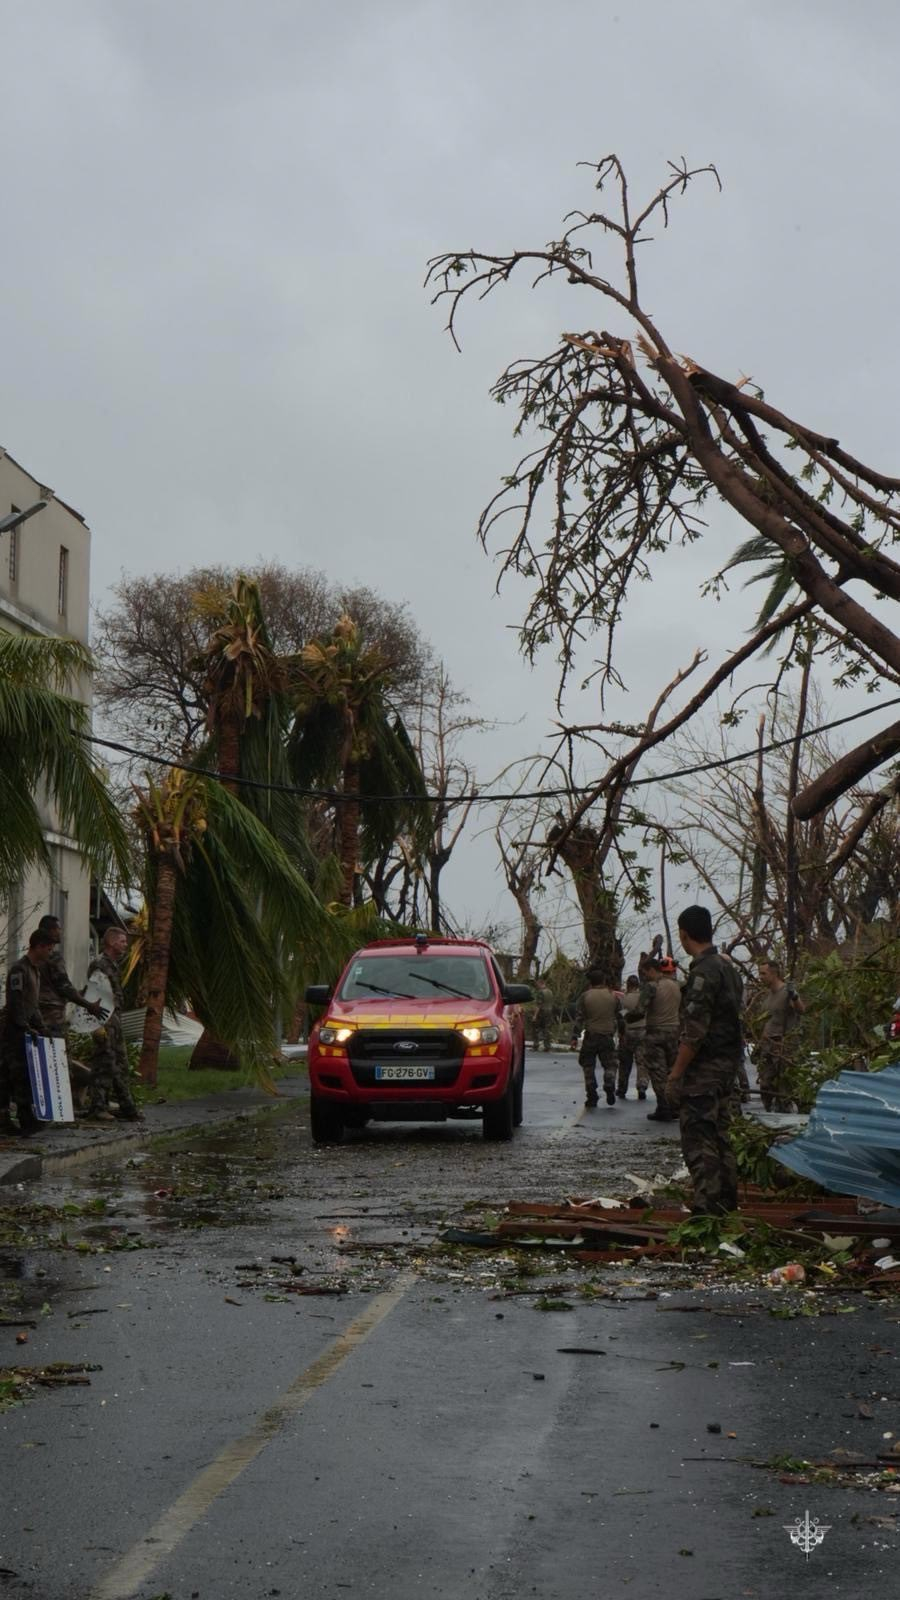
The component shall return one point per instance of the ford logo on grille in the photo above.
(406, 1044)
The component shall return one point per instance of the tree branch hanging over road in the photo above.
(633, 444)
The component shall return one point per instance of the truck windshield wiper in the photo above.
(462, 994)
(392, 994)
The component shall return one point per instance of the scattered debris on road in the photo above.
(785, 1244)
(17, 1383)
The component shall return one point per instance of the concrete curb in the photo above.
(16, 1168)
(87, 1145)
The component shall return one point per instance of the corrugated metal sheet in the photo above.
(851, 1143)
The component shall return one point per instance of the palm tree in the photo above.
(347, 735)
(217, 884)
(244, 680)
(248, 714)
(44, 739)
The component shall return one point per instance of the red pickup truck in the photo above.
(418, 1030)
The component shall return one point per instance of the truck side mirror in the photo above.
(517, 994)
(317, 994)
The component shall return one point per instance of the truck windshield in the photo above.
(425, 977)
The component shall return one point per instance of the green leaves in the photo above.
(775, 569)
(343, 719)
(43, 735)
(242, 913)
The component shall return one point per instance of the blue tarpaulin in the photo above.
(851, 1143)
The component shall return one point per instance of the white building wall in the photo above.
(37, 597)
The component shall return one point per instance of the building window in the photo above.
(63, 580)
(13, 551)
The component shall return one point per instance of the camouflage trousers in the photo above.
(14, 1081)
(704, 1113)
(656, 1055)
(772, 1068)
(598, 1047)
(630, 1054)
(109, 1068)
(540, 1027)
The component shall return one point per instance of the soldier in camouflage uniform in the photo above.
(21, 1016)
(110, 1064)
(782, 1008)
(703, 1078)
(660, 1005)
(57, 991)
(631, 1038)
(542, 1017)
(598, 1011)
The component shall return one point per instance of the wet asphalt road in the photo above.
(421, 1432)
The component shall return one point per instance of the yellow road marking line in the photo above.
(139, 1563)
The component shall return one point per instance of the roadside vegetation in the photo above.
(175, 1083)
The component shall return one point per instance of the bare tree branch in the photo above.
(628, 443)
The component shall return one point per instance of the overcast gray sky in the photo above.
(216, 216)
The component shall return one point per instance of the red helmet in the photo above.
(667, 967)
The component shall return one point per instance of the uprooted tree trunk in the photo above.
(581, 849)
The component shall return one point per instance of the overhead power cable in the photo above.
(475, 797)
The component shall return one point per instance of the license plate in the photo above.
(405, 1072)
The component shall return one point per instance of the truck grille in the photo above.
(442, 1048)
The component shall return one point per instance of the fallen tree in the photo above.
(633, 443)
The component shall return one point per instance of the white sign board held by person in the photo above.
(48, 1075)
(98, 988)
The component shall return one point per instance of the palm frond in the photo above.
(46, 756)
(393, 771)
(758, 548)
(775, 569)
(48, 663)
(242, 914)
(244, 843)
(314, 749)
(343, 719)
(781, 581)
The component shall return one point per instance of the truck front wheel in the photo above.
(497, 1117)
(519, 1095)
(326, 1124)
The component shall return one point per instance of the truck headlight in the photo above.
(481, 1033)
(332, 1035)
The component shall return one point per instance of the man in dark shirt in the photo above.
(703, 1079)
(22, 1016)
